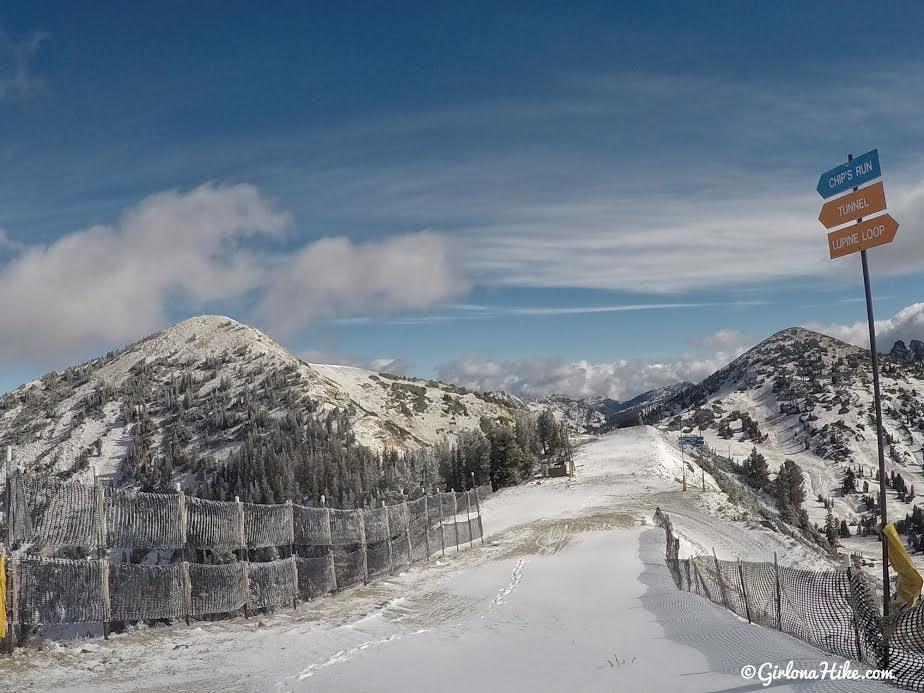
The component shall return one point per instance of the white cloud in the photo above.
(906, 324)
(621, 379)
(17, 78)
(334, 276)
(617, 379)
(106, 285)
(728, 339)
(9, 246)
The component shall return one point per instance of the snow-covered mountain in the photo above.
(809, 397)
(578, 414)
(200, 381)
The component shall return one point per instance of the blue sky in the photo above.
(593, 198)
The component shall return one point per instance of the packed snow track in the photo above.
(569, 592)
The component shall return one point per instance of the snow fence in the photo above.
(129, 557)
(836, 611)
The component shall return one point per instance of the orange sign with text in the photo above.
(862, 203)
(863, 236)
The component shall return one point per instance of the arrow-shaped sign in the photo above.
(856, 172)
(863, 236)
(862, 203)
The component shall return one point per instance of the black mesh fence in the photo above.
(349, 566)
(55, 590)
(145, 592)
(273, 583)
(378, 558)
(143, 520)
(315, 575)
(400, 553)
(217, 589)
(835, 610)
(192, 557)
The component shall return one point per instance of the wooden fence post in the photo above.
(718, 575)
(779, 593)
(187, 583)
(439, 496)
(853, 607)
(330, 548)
(744, 592)
(455, 517)
(702, 583)
(407, 533)
(102, 552)
(362, 538)
(468, 517)
(8, 559)
(245, 555)
(478, 509)
(291, 509)
(427, 519)
(391, 563)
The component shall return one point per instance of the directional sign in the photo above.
(862, 169)
(863, 236)
(692, 441)
(862, 203)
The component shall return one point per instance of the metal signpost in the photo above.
(851, 239)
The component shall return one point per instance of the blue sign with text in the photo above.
(854, 173)
(692, 441)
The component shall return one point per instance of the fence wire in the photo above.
(217, 589)
(20, 526)
(267, 525)
(212, 524)
(346, 527)
(336, 549)
(836, 610)
(272, 583)
(64, 515)
(400, 553)
(311, 527)
(397, 520)
(376, 524)
(417, 529)
(57, 590)
(315, 576)
(378, 559)
(349, 566)
(143, 592)
(143, 520)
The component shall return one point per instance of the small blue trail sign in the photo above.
(692, 441)
(852, 174)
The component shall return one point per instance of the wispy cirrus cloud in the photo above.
(469, 312)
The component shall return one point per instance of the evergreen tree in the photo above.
(756, 470)
(831, 529)
(850, 482)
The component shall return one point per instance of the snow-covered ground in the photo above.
(569, 592)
